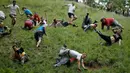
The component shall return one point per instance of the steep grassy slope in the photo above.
(114, 59)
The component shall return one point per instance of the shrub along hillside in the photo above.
(112, 59)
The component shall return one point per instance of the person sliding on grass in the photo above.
(68, 56)
(112, 39)
(60, 23)
(71, 11)
(13, 7)
(109, 22)
(91, 26)
(19, 54)
(39, 34)
(27, 12)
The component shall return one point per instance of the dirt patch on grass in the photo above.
(95, 64)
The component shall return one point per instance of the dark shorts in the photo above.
(65, 24)
(12, 15)
(38, 35)
(70, 15)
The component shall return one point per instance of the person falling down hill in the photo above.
(116, 37)
(110, 22)
(27, 12)
(67, 56)
(87, 21)
(29, 24)
(4, 30)
(40, 31)
(91, 26)
(61, 23)
(19, 54)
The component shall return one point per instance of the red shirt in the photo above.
(28, 23)
(108, 21)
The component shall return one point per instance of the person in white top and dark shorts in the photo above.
(13, 7)
(71, 11)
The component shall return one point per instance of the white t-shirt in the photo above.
(2, 15)
(13, 8)
(75, 54)
(71, 8)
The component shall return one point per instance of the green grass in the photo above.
(42, 60)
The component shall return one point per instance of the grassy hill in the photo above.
(113, 59)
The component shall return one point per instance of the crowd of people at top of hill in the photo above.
(66, 56)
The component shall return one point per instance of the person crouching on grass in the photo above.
(19, 54)
(29, 24)
(39, 34)
(69, 56)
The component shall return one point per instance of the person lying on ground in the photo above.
(27, 12)
(112, 39)
(2, 17)
(90, 26)
(39, 34)
(60, 23)
(13, 7)
(4, 30)
(68, 56)
(19, 54)
(87, 21)
(110, 22)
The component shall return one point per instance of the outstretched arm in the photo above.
(83, 64)
(19, 11)
(5, 6)
(79, 65)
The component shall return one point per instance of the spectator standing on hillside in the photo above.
(13, 7)
(71, 11)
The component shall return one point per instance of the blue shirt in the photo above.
(41, 28)
(27, 11)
